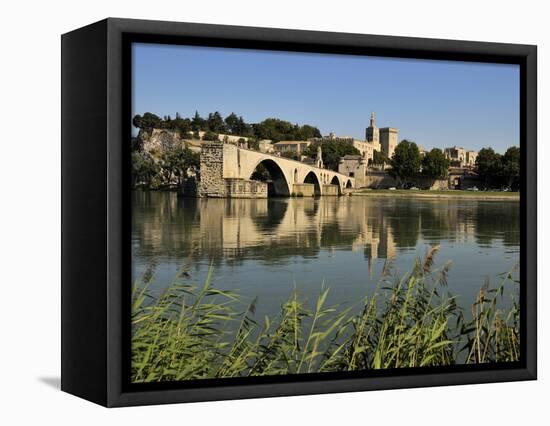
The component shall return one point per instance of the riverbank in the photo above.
(472, 195)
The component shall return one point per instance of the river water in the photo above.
(265, 248)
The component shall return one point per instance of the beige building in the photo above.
(366, 149)
(471, 157)
(388, 140)
(295, 147)
(459, 157)
(354, 166)
(385, 139)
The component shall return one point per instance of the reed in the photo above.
(190, 332)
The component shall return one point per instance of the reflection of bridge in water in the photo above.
(291, 227)
(274, 229)
(227, 170)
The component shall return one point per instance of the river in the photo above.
(265, 248)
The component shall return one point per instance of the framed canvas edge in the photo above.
(525, 55)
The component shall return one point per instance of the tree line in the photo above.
(493, 169)
(214, 124)
(496, 170)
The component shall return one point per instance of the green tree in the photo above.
(144, 169)
(378, 157)
(210, 136)
(435, 165)
(332, 152)
(215, 123)
(274, 129)
(489, 166)
(511, 167)
(253, 143)
(233, 124)
(307, 132)
(177, 164)
(279, 130)
(405, 162)
(244, 129)
(181, 125)
(198, 123)
(147, 121)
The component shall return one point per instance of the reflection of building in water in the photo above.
(376, 240)
(273, 229)
(293, 227)
(228, 227)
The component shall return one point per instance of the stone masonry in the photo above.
(212, 183)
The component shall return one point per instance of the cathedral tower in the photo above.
(371, 133)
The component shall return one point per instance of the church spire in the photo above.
(372, 133)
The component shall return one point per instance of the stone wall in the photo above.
(224, 137)
(382, 180)
(355, 166)
(212, 182)
(435, 184)
(243, 188)
(379, 180)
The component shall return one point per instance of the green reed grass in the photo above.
(189, 333)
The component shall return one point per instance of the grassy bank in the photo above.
(477, 195)
(191, 332)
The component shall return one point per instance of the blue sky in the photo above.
(434, 103)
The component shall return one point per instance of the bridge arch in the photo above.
(336, 181)
(277, 182)
(349, 184)
(312, 177)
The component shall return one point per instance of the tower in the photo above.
(388, 140)
(371, 133)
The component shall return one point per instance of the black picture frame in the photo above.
(96, 89)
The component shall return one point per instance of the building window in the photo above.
(351, 174)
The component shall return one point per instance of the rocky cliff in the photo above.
(157, 141)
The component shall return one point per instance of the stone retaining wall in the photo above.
(382, 180)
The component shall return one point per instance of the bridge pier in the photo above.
(303, 190)
(330, 190)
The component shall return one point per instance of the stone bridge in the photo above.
(226, 171)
